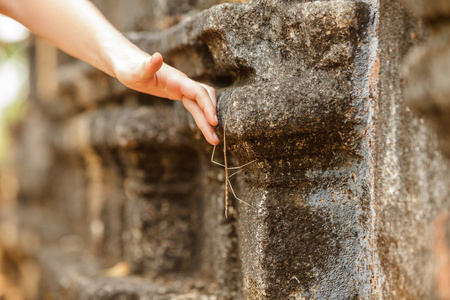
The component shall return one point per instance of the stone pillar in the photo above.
(427, 86)
(427, 91)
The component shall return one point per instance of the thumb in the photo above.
(153, 64)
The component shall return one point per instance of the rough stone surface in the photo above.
(346, 194)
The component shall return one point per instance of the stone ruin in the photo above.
(343, 191)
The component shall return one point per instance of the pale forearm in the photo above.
(74, 26)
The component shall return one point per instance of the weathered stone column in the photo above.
(426, 69)
(427, 91)
(307, 231)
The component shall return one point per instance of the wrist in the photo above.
(111, 54)
(124, 57)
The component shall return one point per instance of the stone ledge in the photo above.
(126, 127)
(70, 276)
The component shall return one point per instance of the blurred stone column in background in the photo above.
(427, 92)
(427, 70)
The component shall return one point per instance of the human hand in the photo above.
(150, 75)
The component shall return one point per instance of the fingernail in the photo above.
(215, 119)
(215, 137)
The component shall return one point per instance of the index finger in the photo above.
(211, 91)
(205, 98)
